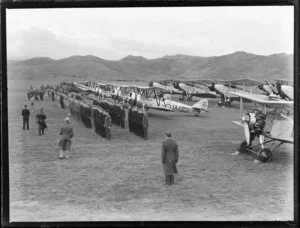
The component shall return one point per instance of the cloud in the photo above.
(36, 42)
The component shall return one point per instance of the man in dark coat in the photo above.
(25, 114)
(107, 126)
(52, 94)
(41, 93)
(145, 124)
(169, 158)
(41, 121)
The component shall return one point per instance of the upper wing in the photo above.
(154, 88)
(241, 82)
(263, 99)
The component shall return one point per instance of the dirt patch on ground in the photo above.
(122, 179)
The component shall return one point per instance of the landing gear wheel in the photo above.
(220, 103)
(264, 155)
(189, 98)
(242, 148)
(227, 104)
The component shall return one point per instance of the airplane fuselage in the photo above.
(166, 104)
(195, 90)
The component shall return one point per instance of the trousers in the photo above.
(25, 122)
(169, 179)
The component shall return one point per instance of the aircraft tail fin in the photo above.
(202, 105)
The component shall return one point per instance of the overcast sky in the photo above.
(113, 33)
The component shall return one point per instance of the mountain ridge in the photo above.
(185, 67)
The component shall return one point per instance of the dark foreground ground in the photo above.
(122, 179)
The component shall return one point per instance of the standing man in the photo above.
(107, 126)
(32, 101)
(145, 124)
(41, 121)
(41, 93)
(169, 158)
(52, 93)
(25, 114)
(65, 141)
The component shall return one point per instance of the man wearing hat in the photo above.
(65, 141)
(169, 158)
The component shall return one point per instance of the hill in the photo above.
(232, 66)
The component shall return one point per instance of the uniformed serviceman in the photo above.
(130, 119)
(52, 94)
(139, 122)
(123, 115)
(25, 114)
(107, 126)
(169, 158)
(41, 93)
(145, 124)
(41, 121)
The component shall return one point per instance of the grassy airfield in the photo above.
(122, 179)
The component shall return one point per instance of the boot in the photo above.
(67, 154)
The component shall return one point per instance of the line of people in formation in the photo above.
(102, 122)
(138, 121)
(137, 116)
(102, 119)
(116, 111)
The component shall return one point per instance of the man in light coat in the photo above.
(65, 141)
(169, 158)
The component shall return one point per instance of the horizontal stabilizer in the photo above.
(202, 105)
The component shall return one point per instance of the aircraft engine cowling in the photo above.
(254, 123)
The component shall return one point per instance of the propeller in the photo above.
(247, 132)
(245, 121)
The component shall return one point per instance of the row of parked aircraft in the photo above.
(280, 89)
(270, 120)
(149, 97)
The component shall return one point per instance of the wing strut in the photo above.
(241, 107)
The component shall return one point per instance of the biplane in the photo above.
(190, 89)
(281, 89)
(157, 98)
(223, 88)
(271, 122)
(167, 86)
(285, 89)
